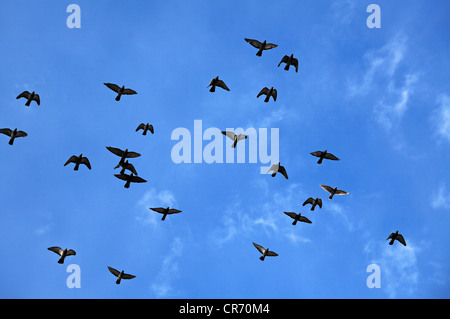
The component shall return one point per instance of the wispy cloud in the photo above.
(162, 287)
(398, 264)
(441, 198)
(441, 117)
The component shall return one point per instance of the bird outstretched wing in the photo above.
(24, 94)
(6, 131)
(327, 188)
(158, 209)
(309, 201)
(115, 272)
(317, 153)
(137, 179)
(269, 46)
(133, 154)
(174, 211)
(72, 159)
(151, 129)
(254, 43)
(222, 84)
(229, 134)
(123, 177)
(116, 151)
(282, 170)
(113, 86)
(294, 62)
(291, 214)
(71, 252)
(274, 94)
(341, 192)
(264, 91)
(305, 220)
(319, 202)
(140, 127)
(56, 250)
(129, 92)
(85, 161)
(128, 276)
(271, 253)
(284, 59)
(21, 134)
(37, 99)
(331, 157)
(259, 247)
(401, 239)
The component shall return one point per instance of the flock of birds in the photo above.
(133, 177)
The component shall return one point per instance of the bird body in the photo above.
(165, 211)
(78, 160)
(217, 82)
(333, 191)
(261, 46)
(277, 168)
(269, 93)
(62, 253)
(289, 60)
(234, 137)
(120, 274)
(324, 155)
(30, 97)
(313, 202)
(264, 251)
(398, 237)
(145, 128)
(12, 134)
(298, 218)
(120, 90)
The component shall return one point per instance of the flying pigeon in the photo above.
(277, 168)
(122, 154)
(261, 46)
(289, 60)
(323, 155)
(397, 236)
(145, 128)
(264, 252)
(333, 191)
(130, 179)
(165, 211)
(128, 166)
(216, 82)
(269, 93)
(78, 160)
(234, 137)
(13, 134)
(120, 274)
(313, 202)
(63, 253)
(30, 97)
(120, 90)
(298, 218)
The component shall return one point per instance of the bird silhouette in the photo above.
(126, 165)
(269, 93)
(289, 60)
(313, 202)
(120, 274)
(123, 154)
(13, 134)
(217, 82)
(333, 191)
(277, 168)
(130, 179)
(298, 218)
(235, 138)
(145, 128)
(264, 251)
(398, 237)
(120, 90)
(261, 46)
(30, 97)
(62, 253)
(165, 211)
(78, 160)
(324, 155)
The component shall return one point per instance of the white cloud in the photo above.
(441, 199)
(163, 284)
(441, 117)
(398, 264)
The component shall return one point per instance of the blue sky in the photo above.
(379, 99)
